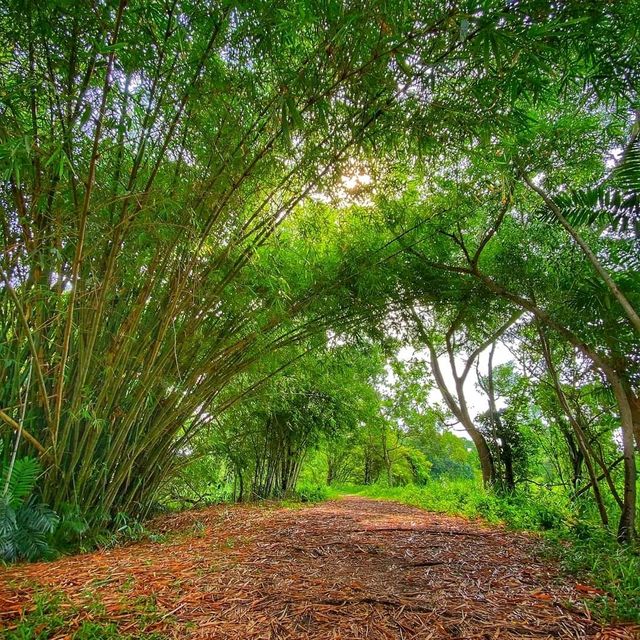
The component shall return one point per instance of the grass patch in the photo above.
(599, 560)
(54, 615)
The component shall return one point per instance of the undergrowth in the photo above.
(570, 536)
(54, 615)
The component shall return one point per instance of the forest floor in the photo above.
(350, 568)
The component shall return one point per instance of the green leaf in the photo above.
(23, 479)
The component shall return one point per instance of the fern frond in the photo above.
(8, 551)
(7, 517)
(23, 479)
(36, 517)
(25, 530)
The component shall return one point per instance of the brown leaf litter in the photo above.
(351, 568)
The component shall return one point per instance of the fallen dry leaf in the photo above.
(347, 569)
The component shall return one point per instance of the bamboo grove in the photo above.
(174, 233)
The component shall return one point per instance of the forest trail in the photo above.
(351, 568)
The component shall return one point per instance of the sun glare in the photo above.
(355, 181)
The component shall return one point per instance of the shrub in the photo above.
(308, 492)
(25, 522)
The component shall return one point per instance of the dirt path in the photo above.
(353, 568)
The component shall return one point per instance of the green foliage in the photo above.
(23, 479)
(602, 562)
(614, 203)
(212, 256)
(25, 522)
(155, 193)
(307, 492)
(72, 529)
(261, 448)
(537, 511)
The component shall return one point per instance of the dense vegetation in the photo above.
(255, 249)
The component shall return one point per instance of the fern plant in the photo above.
(25, 522)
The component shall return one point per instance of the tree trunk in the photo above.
(634, 405)
(577, 428)
(506, 454)
(240, 485)
(507, 459)
(576, 457)
(484, 454)
(459, 411)
(627, 524)
(626, 528)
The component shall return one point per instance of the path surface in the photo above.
(353, 568)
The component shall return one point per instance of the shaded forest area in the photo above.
(278, 250)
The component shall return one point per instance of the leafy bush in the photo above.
(25, 522)
(308, 492)
(443, 467)
(71, 532)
